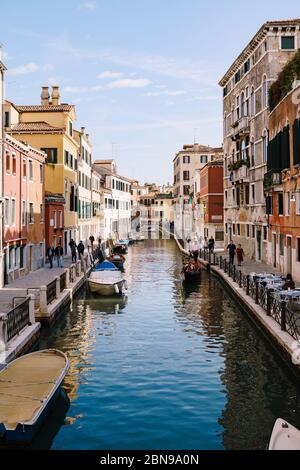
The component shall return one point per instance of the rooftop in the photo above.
(35, 127)
(45, 108)
(253, 43)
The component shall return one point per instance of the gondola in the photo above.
(192, 272)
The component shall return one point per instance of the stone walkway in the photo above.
(35, 279)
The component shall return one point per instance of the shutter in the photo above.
(296, 142)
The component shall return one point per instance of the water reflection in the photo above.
(169, 366)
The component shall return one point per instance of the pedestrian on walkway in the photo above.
(74, 253)
(80, 249)
(211, 244)
(50, 254)
(231, 250)
(92, 239)
(205, 244)
(240, 254)
(59, 255)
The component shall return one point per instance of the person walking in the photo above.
(289, 283)
(240, 254)
(231, 250)
(205, 244)
(80, 249)
(211, 244)
(59, 255)
(74, 253)
(50, 254)
(92, 239)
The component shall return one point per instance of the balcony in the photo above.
(239, 171)
(242, 173)
(240, 128)
(272, 178)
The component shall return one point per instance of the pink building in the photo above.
(24, 226)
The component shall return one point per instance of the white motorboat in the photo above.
(107, 283)
(284, 436)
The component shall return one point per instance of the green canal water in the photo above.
(169, 367)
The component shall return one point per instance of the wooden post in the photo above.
(283, 316)
(248, 284)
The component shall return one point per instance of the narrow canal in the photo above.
(169, 368)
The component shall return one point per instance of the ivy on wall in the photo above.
(284, 83)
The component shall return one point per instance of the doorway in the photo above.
(258, 244)
(289, 267)
(274, 250)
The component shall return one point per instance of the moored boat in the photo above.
(105, 266)
(118, 260)
(120, 248)
(192, 271)
(107, 283)
(284, 436)
(29, 386)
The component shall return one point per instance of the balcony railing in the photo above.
(240, 127)
(272, 178)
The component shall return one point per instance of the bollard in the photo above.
(67, 271)
(57, 286)
(43, 299)
(234, 273)
(31, 309)
(248, 284)
(240, 278)
(214, 259)
(269, 300)
(220, 259)
(283, 316)
(225, 265)
(256, 292)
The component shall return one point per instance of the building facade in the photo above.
(282, 185)
(24, 213)
(85, 214)
(98, 223)
(54, 220)
(246, 125)
(210, 203)
(185, 165)
(2, 70)
(49, 127)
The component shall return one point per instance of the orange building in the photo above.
(24, 226)
(282, 185)
(54, 219)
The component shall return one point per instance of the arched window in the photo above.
(252, 102)
(264, 93)
(242, 104)
(264, 146)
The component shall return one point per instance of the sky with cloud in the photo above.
(143, 74)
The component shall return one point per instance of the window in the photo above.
(268, 205)
(6, 211)
(41, 213)
(66, 157)
(41, 250)
(264, 93)
(265, 148)
(253, 194)
(203, 158)
(7, 162)
(281, 244)
(14, 165)
(41, 174)
(31, 213)
(287, 42)
(6, 119)
(248, 230)
(238, 226)
(24, 169)
(298, 250)
(219, 236)
(60, 219)
(70, 128)
(288, 203)
(237, 77)
(253, 231)
(54, 220)
(22, 257)
(186, 190)
(252, 102)
(186, 159)
(233, 229)
(280, 203)
(51, 154)
(186, 176)
(13, 212)
(247, 194)
(31, 170)
(298, 202)
(23, 212)
(265, 232)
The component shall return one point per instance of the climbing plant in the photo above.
(283, 85)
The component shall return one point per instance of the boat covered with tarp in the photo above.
(29, 386)
(105, 266)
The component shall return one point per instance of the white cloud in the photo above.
(109, 74)
(166, 93)
(88, 5)
(30, 67)
(130, 83)
(75, 90)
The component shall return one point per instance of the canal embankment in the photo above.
(277, 321)
(36, 299)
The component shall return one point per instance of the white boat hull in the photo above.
(106, 289)
(284, 436)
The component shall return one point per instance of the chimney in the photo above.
(83, 130)
(45, 96)
(55, 96)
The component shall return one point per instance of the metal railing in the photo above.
(17, 319)
(51, 292)
(282, 312)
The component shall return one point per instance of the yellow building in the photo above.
(49, 127)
